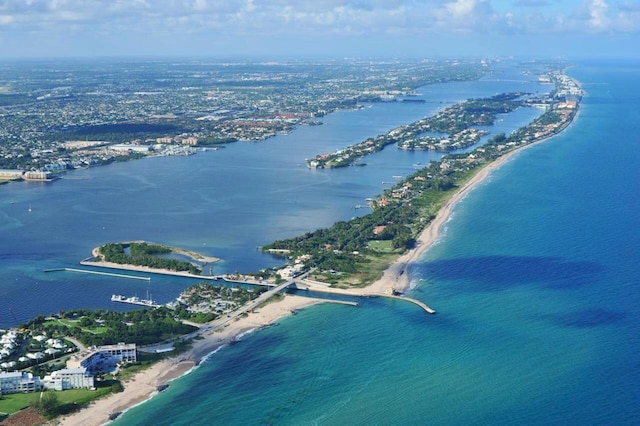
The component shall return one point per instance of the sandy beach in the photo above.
(144, 384)
(397, 276)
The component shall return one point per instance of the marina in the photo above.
(134, 300)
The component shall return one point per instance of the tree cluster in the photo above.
(143, 327)
(143, 254)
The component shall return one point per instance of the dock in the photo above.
(108, 274)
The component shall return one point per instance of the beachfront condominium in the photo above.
(103, 358)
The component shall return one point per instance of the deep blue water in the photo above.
(222, 203)
(536, 285)
(534, 280)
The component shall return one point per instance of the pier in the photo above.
(108, 274)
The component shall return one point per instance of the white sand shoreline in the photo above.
(144, 385)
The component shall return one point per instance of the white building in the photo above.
(37, 175)
(19, 382)
(69, 378)
(123, 147)
(11, 174)
(103, 358)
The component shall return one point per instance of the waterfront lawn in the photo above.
(146, 360)
(381, 246)
(69, 400)
(373, 270)
(14, 402)
(76, 323)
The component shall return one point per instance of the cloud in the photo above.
(257, 21)
(6, 19)
(598, 18)
(532, 3)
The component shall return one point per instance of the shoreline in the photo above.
(144, 385)
(397, 274)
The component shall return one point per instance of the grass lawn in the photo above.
(382, 246)
(367, 274)
(74, 323)
(14, 402)
(145, 360)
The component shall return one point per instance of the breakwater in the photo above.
(108, 274)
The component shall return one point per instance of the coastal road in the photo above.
(221, 322)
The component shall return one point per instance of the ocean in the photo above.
(223, 203)
(534, 278)
(535, 284)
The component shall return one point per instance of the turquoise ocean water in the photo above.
(535, 281)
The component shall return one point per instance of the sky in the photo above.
(354, 28)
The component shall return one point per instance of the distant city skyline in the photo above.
(410, 28)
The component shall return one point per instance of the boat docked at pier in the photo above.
(134, 300)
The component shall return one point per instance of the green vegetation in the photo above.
(455, 122)
(46, 403)
(144, 254)
(54, 403)
(142, 327)
(355, 253)
(204, 301)
(213, 140)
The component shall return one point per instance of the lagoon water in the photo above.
(222, 203)
(535, 279)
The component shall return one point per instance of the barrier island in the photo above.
(356, 253)
(360, 256)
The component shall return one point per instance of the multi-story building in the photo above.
(19, 381)
(11, 174)
(69, 378)
(103, 358)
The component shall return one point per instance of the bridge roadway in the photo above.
(232, 316)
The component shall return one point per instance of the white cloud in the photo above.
(6, 19)
(460, 8)
(598, 18)
(317, 18)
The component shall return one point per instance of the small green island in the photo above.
(348, 255)
(149, 255)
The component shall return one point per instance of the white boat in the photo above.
(134, 300)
